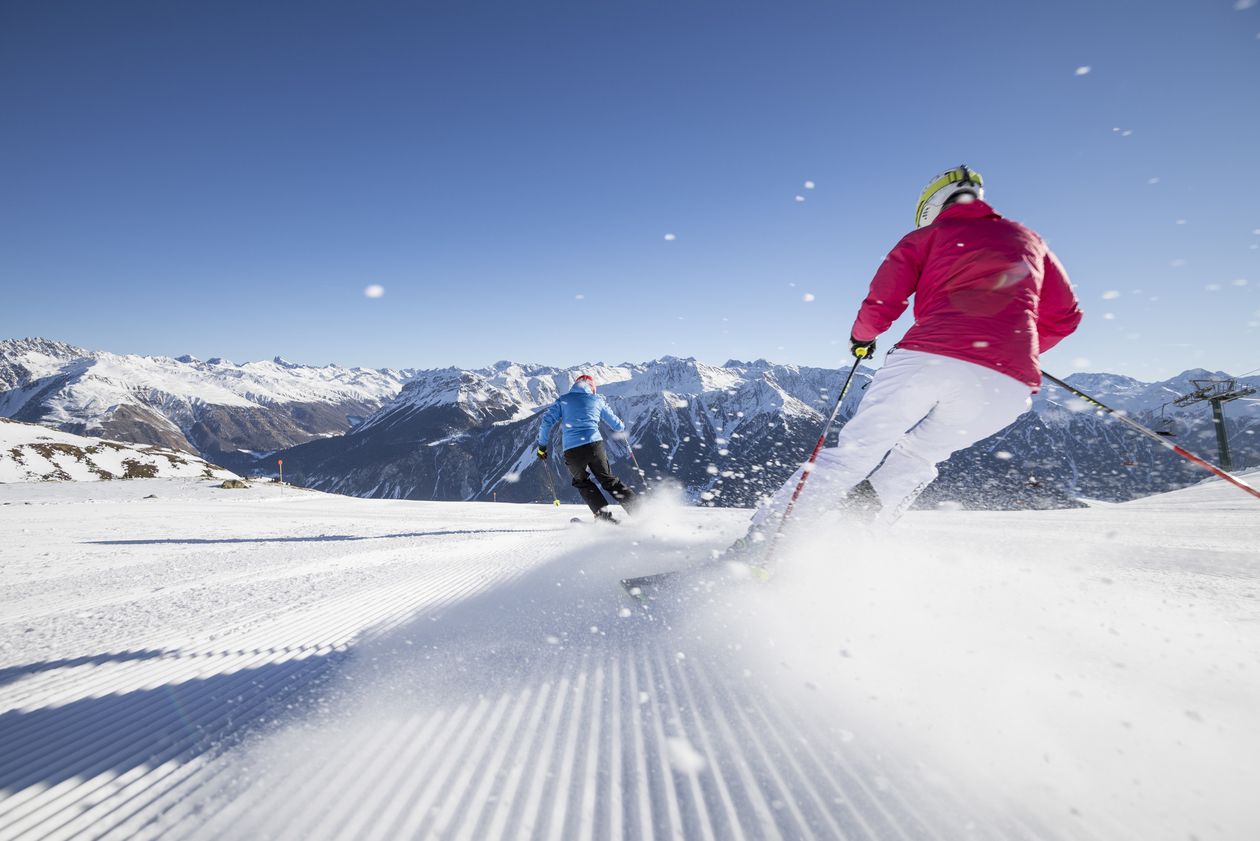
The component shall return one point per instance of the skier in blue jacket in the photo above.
(582, 409)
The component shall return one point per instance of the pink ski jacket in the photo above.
(986, 290)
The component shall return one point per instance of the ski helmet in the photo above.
(588, 379)
(942, 188)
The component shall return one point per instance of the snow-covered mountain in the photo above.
(726, 433)
(221, 410)
(454, 434)
(730, 433)
(30, 453)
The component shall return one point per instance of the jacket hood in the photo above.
(582, 387)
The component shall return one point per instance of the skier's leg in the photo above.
(577, 460)
(979, 403)
(607, 479)
(901, 394)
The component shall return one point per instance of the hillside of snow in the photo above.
(282, 663)
(30, 453)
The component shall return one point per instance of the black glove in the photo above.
(542, 452)
(862, 350)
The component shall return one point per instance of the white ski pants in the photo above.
(919, 408)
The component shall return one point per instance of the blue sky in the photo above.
(227, 178)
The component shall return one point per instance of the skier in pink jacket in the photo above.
(989, 297)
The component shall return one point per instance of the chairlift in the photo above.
(1163, 424)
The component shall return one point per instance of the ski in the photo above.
(646, 589)
(607, 521)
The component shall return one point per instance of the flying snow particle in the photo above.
(1154, 180)
(1178, 263)
(809, 185)
(1111, 295)
(683, 757)
(807, 297)
(1109, 316)
(579, 297)
(1080, 363)
(1181, 221)
(1242, 281)
(979, 343)
(374, 291)
(1083, 70)
(1244, 5)
(1003, 455)
(712, 470)
(670, 237)
(1213, 287)
(800, 198)
(553, 640)
(512, 478)
(625, 613)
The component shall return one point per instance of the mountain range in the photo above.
(225, 412)
(724, 434)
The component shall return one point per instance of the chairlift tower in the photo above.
(1216, 392)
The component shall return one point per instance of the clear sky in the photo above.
(228, 178)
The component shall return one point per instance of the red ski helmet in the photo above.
(586, 378)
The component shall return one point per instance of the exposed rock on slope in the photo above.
(30, 453)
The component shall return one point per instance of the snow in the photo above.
(274, 662)
(30, 453)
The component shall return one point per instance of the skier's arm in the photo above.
(1058, 312)
(891, 289)
(608, 416)
(549, 419)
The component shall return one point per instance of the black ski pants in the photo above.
(594, 458)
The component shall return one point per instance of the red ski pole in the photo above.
(1156, 437)
(813, 457)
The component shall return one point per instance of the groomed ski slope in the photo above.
(271, 663)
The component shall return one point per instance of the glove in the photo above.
(542, 452)
(862, 350)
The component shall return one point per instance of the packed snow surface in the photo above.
(275, 663)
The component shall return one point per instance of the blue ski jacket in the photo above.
(581, 410)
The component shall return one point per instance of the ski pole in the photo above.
(551, 483)
(1155, 436)
(635, 461)
(813, 457)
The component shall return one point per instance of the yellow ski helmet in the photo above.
(940, 189)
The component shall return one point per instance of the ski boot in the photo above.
(749, 551)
